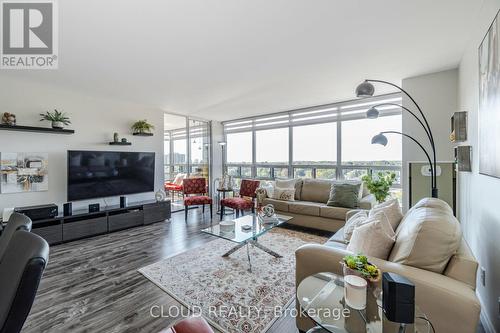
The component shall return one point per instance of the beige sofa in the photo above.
(430, 251)
(309, 208)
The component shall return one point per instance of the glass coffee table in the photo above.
(321, 298)
(246, 231)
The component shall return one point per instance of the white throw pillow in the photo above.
(269, 187)
(373, 239)
(285, 194)
(391, 209)
(356, 220)
(179, 178)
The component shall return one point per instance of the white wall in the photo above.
(478, 199)
(437, 95)
(94, 120)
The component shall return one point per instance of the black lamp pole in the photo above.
(366, 89)
(381, 139)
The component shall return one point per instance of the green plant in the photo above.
(142, 126)
(380, 185)
(55, 116)
(360, 263)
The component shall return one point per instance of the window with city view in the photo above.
(325, 142)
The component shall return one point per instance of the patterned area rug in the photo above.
(230, 297)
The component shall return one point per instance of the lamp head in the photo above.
(222, 143)
(372, 113)
(380, 139)
(365, 89)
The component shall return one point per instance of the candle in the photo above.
(355, 292)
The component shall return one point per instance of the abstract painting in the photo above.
(24, 172)
(489, 102)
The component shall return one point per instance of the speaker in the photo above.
(93, 208)
(398, 298)
(68, 209)
(123, 202)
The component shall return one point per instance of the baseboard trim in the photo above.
(485, 320)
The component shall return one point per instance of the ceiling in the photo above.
(225, 59)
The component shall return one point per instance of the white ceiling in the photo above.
(225, 59)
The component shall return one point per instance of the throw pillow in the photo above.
(356, 220)
(373, 239)
(290, 183)
(344, 195)
(391, 209)
(179, 178)
(285, 194)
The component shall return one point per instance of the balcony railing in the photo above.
(277, 171)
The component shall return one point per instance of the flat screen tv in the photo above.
(98, 174)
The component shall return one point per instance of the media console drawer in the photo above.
(157, 212)
(51, 232)
(124, 220)
(84, 228)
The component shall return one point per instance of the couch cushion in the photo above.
(285, 194)
(316, 190)
(290, 183)
(304, 207)
(353, 222)
(338, 236)
(344, 195)
(335, 244)
(337, 213)
(391, 209)
(427, 237)
(373, 239)
(280, 205)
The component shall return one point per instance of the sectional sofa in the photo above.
(430, 251)
(309, 209)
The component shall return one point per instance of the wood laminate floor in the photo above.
(92, 285)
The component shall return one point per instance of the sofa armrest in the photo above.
(367, 202)
(434, 292)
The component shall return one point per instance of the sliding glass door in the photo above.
(187, 147)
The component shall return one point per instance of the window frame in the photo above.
(329, 113)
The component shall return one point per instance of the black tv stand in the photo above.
(82, 224)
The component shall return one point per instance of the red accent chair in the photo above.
(171, 187)
(198, 187)
(190, 325)
(245, 201)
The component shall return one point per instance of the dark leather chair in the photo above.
(21, 269)
(16, 222)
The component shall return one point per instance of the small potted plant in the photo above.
(358, 265)
(380, 185)
(58, 119)
(142, 127)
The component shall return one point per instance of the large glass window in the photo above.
(327, 142)
(272, 146)
(239, 148)
(357, 148)
(315, 144)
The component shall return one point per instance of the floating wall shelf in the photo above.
(35, 129)
(143, 134)
(120, 143)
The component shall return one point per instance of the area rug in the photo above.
(223, 291)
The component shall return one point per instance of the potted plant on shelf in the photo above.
(58, 119)
(142, 127)
(380, 185)
(358, 265)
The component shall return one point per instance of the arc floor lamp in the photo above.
(367, 89)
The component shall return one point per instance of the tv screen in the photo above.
(97, 174)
